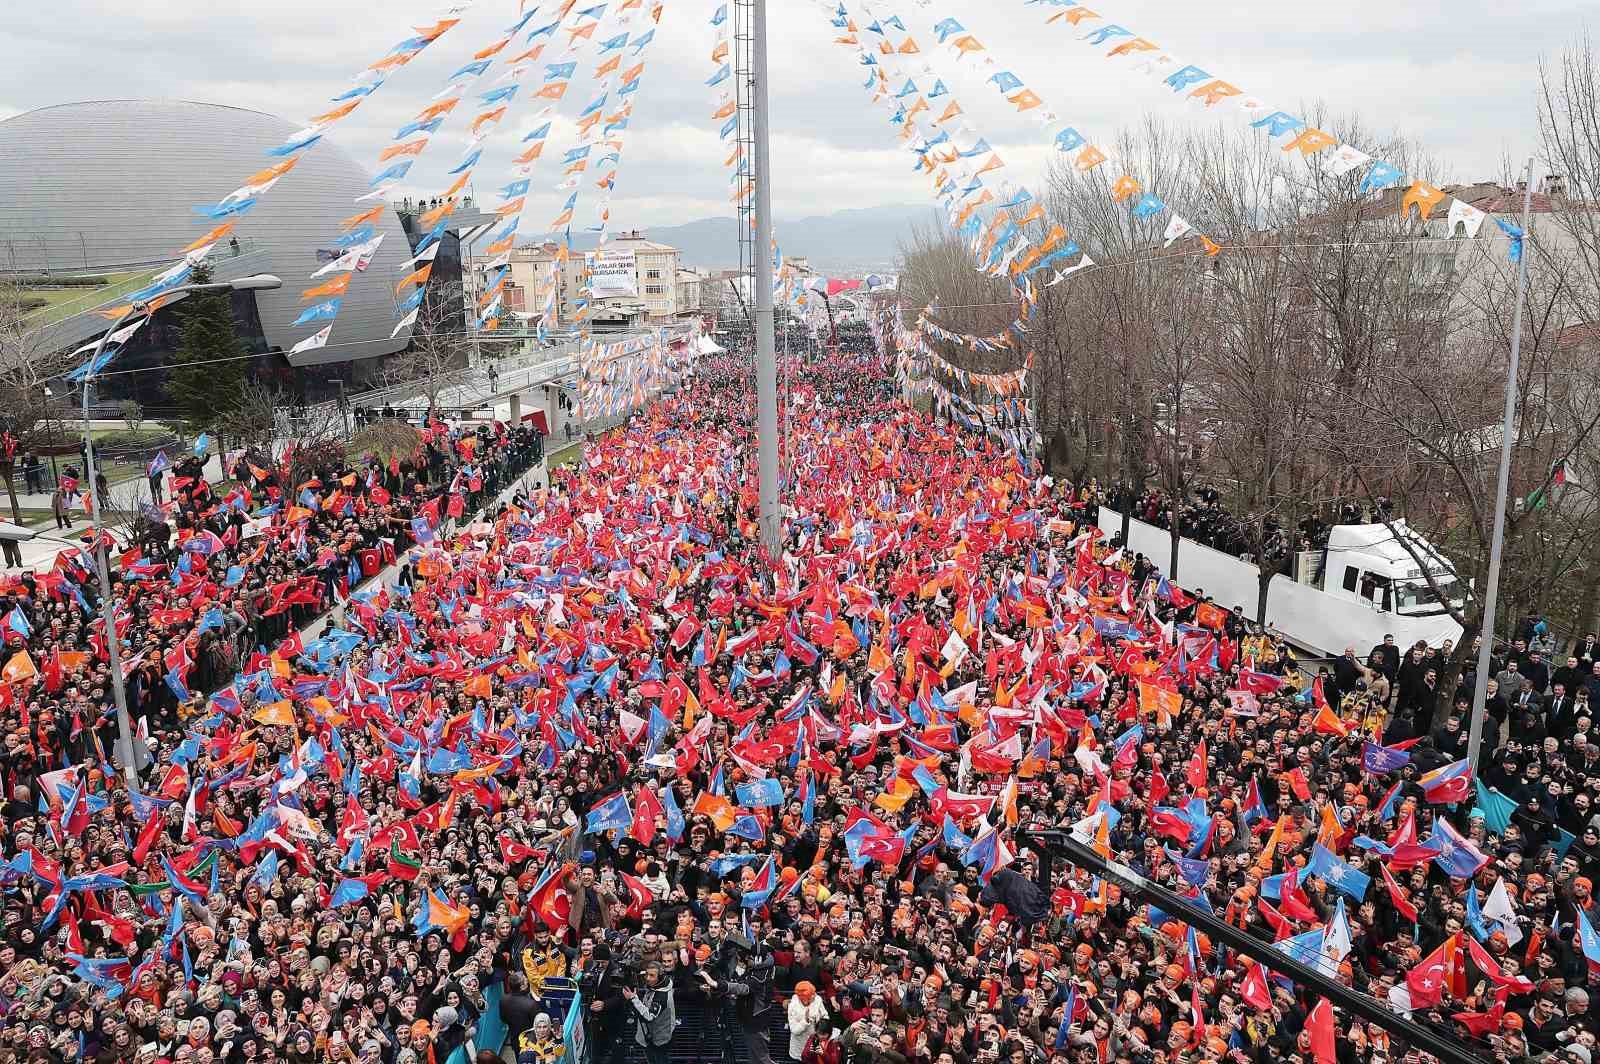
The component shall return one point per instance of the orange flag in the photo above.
(418, 276)
(363, 218)
(19, 668)
(1328, 723)
(410, 147)
(335, 287)
(280, 713)
(718, 808)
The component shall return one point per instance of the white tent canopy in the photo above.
(707, 346)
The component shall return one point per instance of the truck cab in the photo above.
(1371, 564)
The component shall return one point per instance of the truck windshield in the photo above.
(1415, 596)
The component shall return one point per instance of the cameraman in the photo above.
(605, 1016)
(652, 1002)
(747, 985)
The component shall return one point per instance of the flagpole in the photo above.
(102, 565)
(1480, 687)
(766, 352)
(125, 750)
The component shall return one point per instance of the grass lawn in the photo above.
(32, 517)
(567, 455)
(63, 303)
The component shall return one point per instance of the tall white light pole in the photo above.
(766, 351)
(1480, 687)
(119, 689)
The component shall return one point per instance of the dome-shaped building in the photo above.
(110, 185)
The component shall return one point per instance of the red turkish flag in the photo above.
(1426, 981)
(512, 851)
(1320, 1026)
(647, 813)
(639, 896)
(1293, 901)
(1195, 773)
(1398, 896)
(1255, 991)
(684, 632)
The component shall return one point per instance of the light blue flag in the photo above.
(1495, 807)
(320, 312)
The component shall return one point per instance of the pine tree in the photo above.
(206, 379)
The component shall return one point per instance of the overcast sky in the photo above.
(1459, 77)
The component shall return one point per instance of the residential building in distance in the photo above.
(636, 282)
(688, 291)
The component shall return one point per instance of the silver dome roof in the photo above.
(97, 185)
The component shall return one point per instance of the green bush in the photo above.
(143, 440)
(42, 280)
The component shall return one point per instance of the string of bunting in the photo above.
(999, 341)
(409, 143)
(243, 199)
(996, 249)
(642, 372)
(1290, 132)
(575, 161)
(1085, 156)
(616, 124)
(727, 109)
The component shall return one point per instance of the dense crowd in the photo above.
(599, 739)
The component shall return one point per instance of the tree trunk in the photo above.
(11, 491)
(1587, 614)
(1264, 575)
(1175, 536)
(1449, 679)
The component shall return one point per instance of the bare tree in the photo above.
(1569, 125)
(29, 419)
(438, 349)
(255, 423)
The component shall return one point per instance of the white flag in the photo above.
(1176, 230)
(1062, 275)
(314, 341)
(404, 323)
(1467, 215)
(364, 252)
(1344, 159)
(379, 193)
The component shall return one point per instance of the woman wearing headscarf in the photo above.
(806, 1013)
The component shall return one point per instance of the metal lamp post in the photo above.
(1480, 687)
(130, 770)
(768, 518)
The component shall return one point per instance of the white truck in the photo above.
(1363, 585)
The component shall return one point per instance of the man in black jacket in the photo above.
(747, 984)
(1346, 674)
(1387, 656)
(517, 1007)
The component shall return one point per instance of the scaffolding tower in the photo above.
(744, 146)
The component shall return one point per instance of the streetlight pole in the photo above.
(1480, 687)
(766, 353)
(119, 690)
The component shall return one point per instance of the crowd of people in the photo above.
(1204, 518)
(596, 744)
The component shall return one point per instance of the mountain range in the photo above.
(847, 242)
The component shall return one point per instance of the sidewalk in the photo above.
(39, 554)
